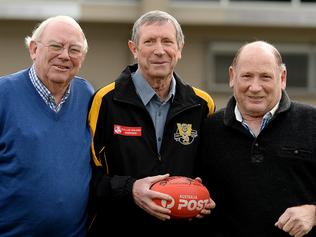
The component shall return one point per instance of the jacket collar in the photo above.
(125, 91)
(229, 115)
(146, 92)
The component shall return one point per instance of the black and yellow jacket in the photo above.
(124, 144)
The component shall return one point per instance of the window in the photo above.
(222, 63)
(289, 1)
(300, 61)
(260, 0)
(297, 69)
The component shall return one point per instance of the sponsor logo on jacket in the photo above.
(185, 134)
(127, 131)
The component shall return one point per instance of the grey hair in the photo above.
(37, 32)
(152, 17)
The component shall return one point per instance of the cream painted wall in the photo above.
(108, 52)
(107, 55)
(190, 67)
(14, 54)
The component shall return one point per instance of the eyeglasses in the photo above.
(57, 48)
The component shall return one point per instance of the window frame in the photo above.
(226, 47)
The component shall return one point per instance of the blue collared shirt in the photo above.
(158, 110)
(45, 93)
(265, 120)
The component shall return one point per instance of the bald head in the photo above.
(257, 46)
(37, 32)
(257, 77)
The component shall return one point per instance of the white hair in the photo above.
(37, 32)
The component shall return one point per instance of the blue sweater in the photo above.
(44, 160)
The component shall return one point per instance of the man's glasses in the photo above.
(73, 51)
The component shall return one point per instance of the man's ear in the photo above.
(180, 51)
(283, 78)
(132, 47)
(32, 50)
(231, 77)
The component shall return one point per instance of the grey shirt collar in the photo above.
(146, 92)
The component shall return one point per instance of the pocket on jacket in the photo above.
(296, 153)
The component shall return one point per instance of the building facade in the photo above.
(213, 29)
